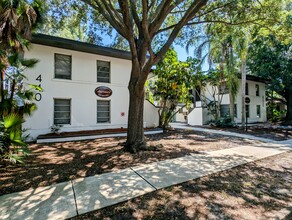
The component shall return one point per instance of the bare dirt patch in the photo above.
(59, 162)
(258, 190)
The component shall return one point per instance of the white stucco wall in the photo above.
(254, 101)
(181, 116)
(151, 116)
(80, 89)
(195, 117)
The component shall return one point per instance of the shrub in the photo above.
(224, 122)
(12, 147)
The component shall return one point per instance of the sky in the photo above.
(182, 52)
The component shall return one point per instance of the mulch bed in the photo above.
(277, 134)
(59, 162)
(258, 190)
(87, 133)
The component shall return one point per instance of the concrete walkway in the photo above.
(226, 133)
(68, 199)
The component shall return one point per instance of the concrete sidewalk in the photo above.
(226, 133)
(68, 199)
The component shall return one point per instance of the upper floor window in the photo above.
(246, 88)
(63, 66)
(257, 87)
(103, 71)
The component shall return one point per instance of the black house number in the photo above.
(38, 96)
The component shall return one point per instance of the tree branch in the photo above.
(193, 9)
(111, 19)
(161, 13)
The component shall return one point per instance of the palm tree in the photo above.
(17, 20)
(218, 48)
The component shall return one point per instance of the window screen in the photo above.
(247, 111)
(103, 111)
(257, 90)
(258, 111)
(62, 66)
(224, 110)
(103, 71)
(246, 88)
(62, 111)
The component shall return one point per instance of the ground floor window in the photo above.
(247, 111)
(235, 110)
(62, 111)
(258, 111)
(103, 111)
(224, 110)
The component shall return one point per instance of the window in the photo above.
(224, 89)
(257, 89)
(103, 111)
(62, 66)
(103, 71)
(246, 88)
(258, 111)
(224, 110)
(247, 111)
(62, 111)
(235, 110)
(197, 92)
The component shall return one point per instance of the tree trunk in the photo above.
(231, 106)
(288, 97)
(243, 81)
(135, 132)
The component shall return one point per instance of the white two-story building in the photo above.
(85, 87)
(255, 107)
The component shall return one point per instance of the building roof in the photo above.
(256, 79)
(63, 43)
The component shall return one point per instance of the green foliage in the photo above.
(272, 60)
(223, 122)
(273, 114)
(18, 18)
(12, 147)
(172, 84)
(17, 102)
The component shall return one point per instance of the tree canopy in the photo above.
(151, 26)
(172, 84)
(272, 60)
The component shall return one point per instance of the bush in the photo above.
(12, 146)
(224, 122)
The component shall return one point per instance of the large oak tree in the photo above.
(143, 23)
